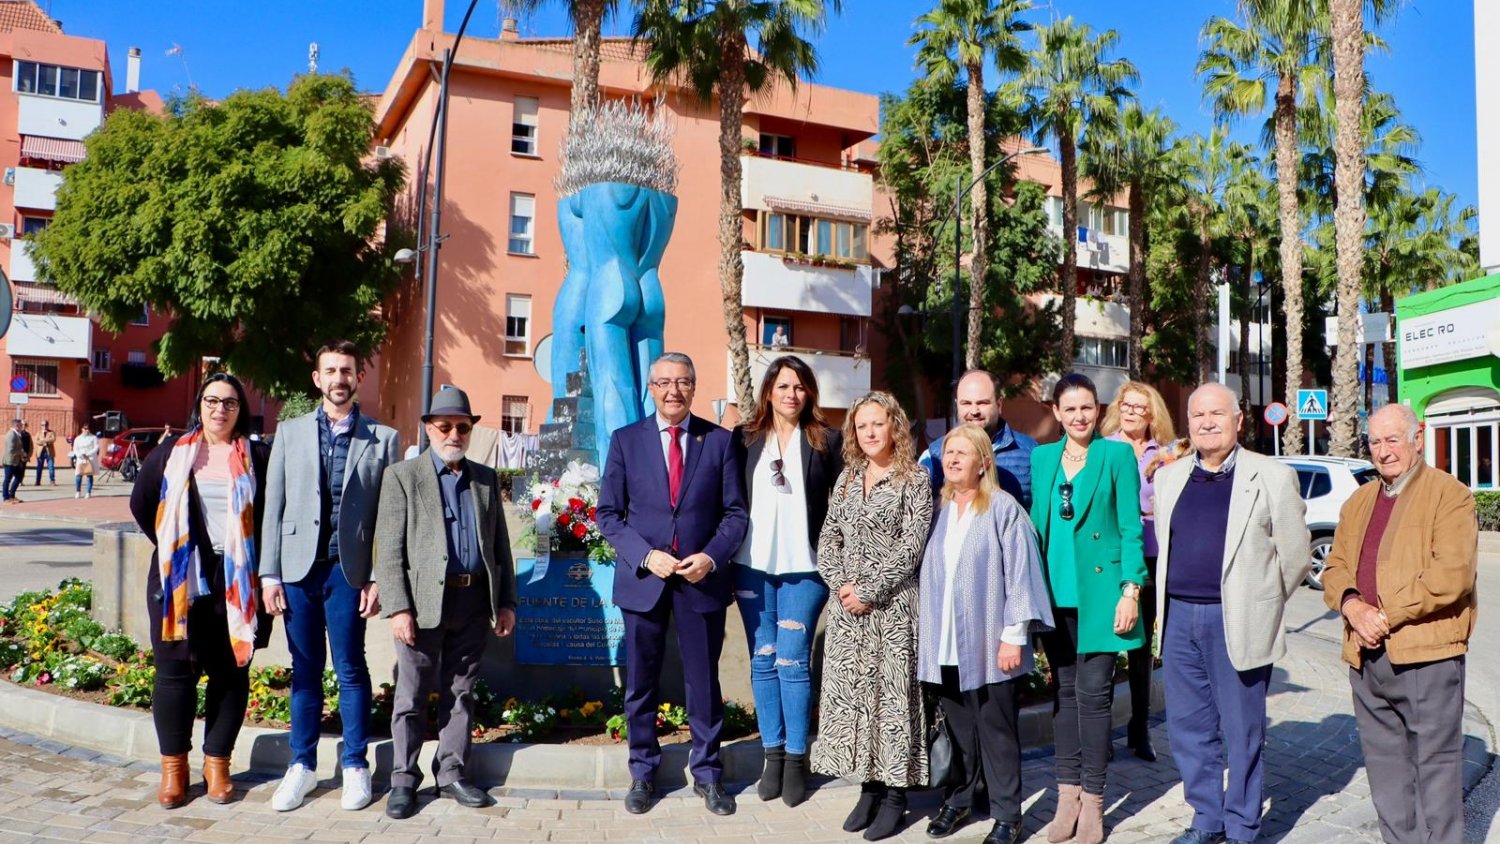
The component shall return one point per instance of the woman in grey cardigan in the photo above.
(982, 596)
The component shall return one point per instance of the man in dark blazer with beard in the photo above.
(672, 504)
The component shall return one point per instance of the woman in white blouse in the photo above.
(791, 458)
(982, 596)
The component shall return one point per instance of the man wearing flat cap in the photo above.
(446, 578)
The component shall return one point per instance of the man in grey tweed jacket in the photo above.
(442, 559)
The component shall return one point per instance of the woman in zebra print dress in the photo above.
(872, 715)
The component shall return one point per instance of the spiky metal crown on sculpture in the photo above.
(615, 215)
(621, 141)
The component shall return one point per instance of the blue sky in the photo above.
(229, 44)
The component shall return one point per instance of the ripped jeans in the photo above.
(780, 613)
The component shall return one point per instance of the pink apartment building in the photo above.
(54, 90)
(806, 190)
(813, 270)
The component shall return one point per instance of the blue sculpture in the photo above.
(615, 218)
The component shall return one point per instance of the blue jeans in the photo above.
(45, 459)
(12, 482)
(78, 483)
(324, 602)
(780, 614)
(1216, 719)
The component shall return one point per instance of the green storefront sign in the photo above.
(1448, 360)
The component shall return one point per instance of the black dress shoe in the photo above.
(1198, 836)
(870, 794)
(1003, 832)
(948, 818)
(467, 794)
(1144, 751)
(402, 803)
(715, 797)
(638, 800)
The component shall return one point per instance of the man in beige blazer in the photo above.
(1402, 573)
(1234, 543)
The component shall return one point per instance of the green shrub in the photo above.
(117, 646)
(83, 673)
(132, 685)
(1488, 504)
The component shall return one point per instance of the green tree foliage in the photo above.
(924, 154)
(250, 223)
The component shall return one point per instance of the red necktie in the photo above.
(674, 463)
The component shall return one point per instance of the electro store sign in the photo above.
(1455, 334)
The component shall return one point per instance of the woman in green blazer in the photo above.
(1086, 507)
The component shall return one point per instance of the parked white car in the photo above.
(1326, 483)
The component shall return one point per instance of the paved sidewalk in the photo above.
(110, 502)
(1315, 785)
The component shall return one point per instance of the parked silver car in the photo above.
(1326, 483)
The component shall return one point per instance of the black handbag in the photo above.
(942, 762)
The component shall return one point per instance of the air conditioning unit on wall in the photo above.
(7, 231)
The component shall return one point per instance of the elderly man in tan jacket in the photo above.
(1402, 574)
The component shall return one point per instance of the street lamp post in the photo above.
(959, 308)
(437, 139)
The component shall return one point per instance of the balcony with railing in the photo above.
(22, 268)
(1096, 250)
(805, 283)
(36, 188)
(842, 376)
(798, 186)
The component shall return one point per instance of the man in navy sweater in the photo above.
(1234, 546)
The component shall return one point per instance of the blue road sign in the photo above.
(1312, 404)
(19, 384)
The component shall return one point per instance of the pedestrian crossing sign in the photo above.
(1312, 404)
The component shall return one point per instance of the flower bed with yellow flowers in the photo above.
(49, 641)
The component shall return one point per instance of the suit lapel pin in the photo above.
(699, 438)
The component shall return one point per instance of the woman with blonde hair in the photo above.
(982, 596)
(1138, 417)
(873, 717)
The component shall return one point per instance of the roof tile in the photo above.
(25, 14)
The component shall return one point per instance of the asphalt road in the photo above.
(37, 555)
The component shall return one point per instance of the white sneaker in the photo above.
(356, 789)
(295, 786)
(77, 495)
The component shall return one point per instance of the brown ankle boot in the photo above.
(173, 791)
(1065, 821)
(216, 778)
(1091, 819)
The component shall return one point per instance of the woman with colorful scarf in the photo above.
(198, 498)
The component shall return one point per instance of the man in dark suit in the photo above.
(446, 579)
(673, 506)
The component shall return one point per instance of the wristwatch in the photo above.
(1130, 590)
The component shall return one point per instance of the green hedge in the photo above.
(1488, 504)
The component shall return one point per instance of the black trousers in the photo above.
(1141, 661)
(985, 723)
(1080, 704)
(174, 698)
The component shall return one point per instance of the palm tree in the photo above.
(588, 29)
(1212, 178)
(1069, 83)
(1271, 57)
(706, 45)
(967, 33)
(1251, 221)
(1130, 156)
(1412, 243)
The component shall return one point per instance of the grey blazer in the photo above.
(411, 542)
(1266, 552)
(294, 483)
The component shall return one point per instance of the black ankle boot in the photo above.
(870, 794)
(769, 787)
(794, 779)
(888, 820)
